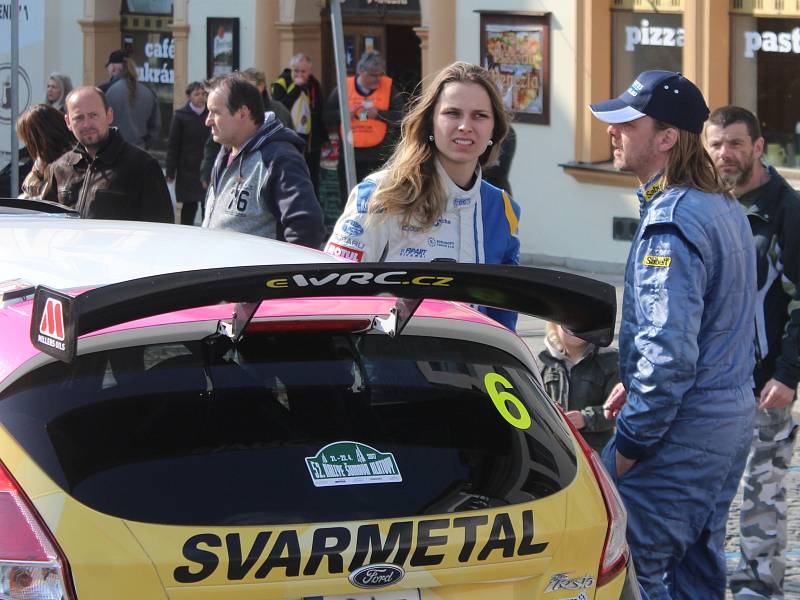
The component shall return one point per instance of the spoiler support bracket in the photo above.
(399, 316)
(242, 315)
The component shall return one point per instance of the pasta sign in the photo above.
(769, 41)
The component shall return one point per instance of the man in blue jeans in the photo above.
(685, 403)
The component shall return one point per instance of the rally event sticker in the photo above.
(352, 463)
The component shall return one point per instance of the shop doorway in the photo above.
(389, 29)
(146, 27)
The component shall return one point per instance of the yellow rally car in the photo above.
(292, 431)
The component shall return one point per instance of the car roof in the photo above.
(76, 253)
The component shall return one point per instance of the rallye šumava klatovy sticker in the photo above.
(352, 463)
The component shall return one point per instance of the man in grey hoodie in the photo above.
(260, 182)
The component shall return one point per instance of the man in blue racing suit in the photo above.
(685, 404)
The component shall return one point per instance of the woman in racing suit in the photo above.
(430, 202)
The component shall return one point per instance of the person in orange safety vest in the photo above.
(375, 107)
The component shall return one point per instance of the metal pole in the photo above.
(346, 144)
(14, 190)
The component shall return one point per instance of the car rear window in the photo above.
(292, 428)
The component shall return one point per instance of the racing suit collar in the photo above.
(650, 190)
(458, 198)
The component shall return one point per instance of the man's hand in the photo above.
(774, 394)
(623, 464)
(576, 418)
(616, 400)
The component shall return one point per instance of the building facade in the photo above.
(553, 58)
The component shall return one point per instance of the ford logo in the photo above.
(351, 227)
(375, 576)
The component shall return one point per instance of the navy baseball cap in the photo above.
(117, 56)
(663, 95)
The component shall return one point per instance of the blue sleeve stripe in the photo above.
(364, 191)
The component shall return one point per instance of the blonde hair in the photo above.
(131, 76)
(411, 188)
(255, 76)
(690, 165)
(65, 84)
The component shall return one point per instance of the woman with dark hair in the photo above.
(44, 132)
(430, 202)
(187, 136)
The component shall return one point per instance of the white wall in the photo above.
(197, 12)
(563, 221)
(63, 48)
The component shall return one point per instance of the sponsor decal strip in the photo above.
(405, 542)
(341, 279)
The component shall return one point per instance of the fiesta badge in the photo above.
(376, 576)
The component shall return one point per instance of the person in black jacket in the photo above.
(104, 177)
(497, 174)
(298, 90)
(578, 376)
(187, 135)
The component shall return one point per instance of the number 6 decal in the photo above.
(502, 399)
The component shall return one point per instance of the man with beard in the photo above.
(773, 209)
(104, 177)
(685, 342)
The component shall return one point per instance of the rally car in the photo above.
(194, 414)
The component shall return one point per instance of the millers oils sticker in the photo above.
(351, 463)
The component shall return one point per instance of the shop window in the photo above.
(642, 41)
(149, 42)
(765, 79)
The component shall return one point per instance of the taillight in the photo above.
(32, 566)
(616, 552)
(314, 325)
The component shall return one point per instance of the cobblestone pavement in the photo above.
(792, 582)
(532, 331)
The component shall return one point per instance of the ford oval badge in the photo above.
(376, 576)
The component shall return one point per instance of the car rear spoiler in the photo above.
(584, 306)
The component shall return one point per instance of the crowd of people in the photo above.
(699, 395)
